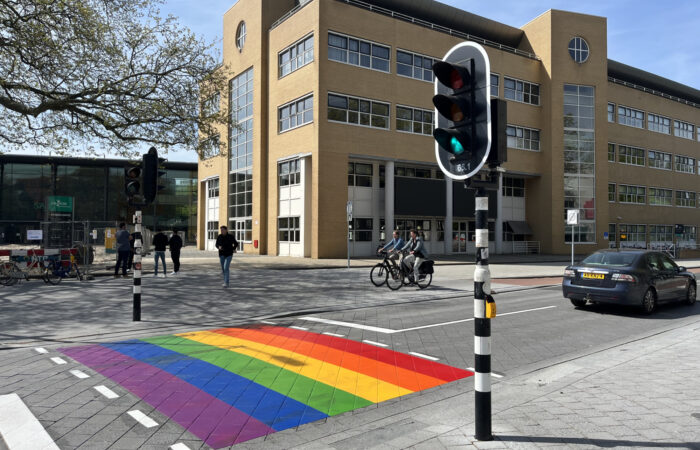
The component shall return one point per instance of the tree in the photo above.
(106, 75)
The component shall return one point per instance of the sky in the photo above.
(656, 36)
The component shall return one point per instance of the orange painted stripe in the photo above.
(399, 376)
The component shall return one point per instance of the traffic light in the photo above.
(151, 174)
(499, 141)
(132, 182)
(463, 111)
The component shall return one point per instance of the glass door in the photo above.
(459, 237)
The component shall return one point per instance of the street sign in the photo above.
(572, 216)
(59, 203)
(606, 236)
(349, 210)
(35, 235)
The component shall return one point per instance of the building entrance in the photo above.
(460, 236)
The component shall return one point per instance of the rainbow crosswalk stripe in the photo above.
(230, 385)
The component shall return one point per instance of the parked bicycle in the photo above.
(401, 274)
(57, 271)
(12, 272)
(380, 272)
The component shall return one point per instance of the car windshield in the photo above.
(610, 259)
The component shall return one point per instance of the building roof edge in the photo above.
(634, 75)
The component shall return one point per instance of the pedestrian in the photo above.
(418, 254)
(123, 249)
(227, 245)
(175, 244)
(160, 241)
(132, 240)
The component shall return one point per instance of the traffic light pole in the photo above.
(138, 245)
(482, 322)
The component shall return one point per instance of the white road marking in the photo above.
(19, 428)
(420, 355)
(58, 360)
(41, 350)
(493, 374)
(333, 334)
(267, 322)
(374, 343)
(107, 392)
(143, 419)
(79, 373)
(390, 331)
(179, 446)
(299, 328)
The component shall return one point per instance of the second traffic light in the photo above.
(151, 174)
(463, 112)
(132, 182)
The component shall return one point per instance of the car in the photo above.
(640, 278)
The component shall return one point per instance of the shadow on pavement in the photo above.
(592, 442)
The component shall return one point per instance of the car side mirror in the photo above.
(682, 269)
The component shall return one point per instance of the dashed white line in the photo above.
(420, 355)
(299, 328)
(143, 419)
(493, 374)
(19, 428)
(179, 446)
(349, 325)
(41, 350)
(107, 392)
(333, 334)
(58, 360)
(79, 373)
(374, 343)
(267, 322)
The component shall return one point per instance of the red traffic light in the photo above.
(133, 172)
(453, 76)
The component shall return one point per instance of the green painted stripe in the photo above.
(317, 395)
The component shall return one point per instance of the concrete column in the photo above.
(389, 198)
(499, 216)
(448, 215)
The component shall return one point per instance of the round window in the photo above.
(578, 49)
(240, 36)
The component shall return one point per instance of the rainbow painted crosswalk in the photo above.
(231, 385)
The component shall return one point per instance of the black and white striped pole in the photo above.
(484, 310)
(138, 245)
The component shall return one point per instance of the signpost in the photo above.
(572, 218)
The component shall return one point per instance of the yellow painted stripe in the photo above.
(355, 383)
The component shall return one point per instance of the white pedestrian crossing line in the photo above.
(420, 355)
(41, 350)
(333, 334)
(58, 360)
(379, 344)
(268, 322)
(107, 392)
(79, 373)
(349, 325)
(179, 446)
(19, 428)
(143, 419)
(300, 328)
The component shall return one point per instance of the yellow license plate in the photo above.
(594, 276)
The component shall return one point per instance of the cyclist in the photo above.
(418, 254)
(394, 246)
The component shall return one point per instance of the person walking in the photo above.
(227, 245)
(175, 244)
(123, 249)
(160, 241)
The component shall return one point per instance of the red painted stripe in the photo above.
(4, 253)
(420, 365)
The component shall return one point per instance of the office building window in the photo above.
(240, 36)
(611, 112)
(413, 65)
(211, 105)
(523, 138)
(685, 199)
(611, 192)
(358, 52)
(631, 194)
(636, 233)
(289, 172)
(660, 233)
(521, 91)
(296, 113)
(630, 117)
(358, 111)
(660, 197)
(578, 49)
(689, 235)
(213, 188)
(296, 56)
(413, 172)
(659, 124)
(659, 160)
(495, 84)
(513, 187)
(359, 174)
(361, 230)
(630, 155)
(684, 164)
(241, 155)
(288, 229)
(683, 129)
(611, 152)
(212, 230)
(414, 120)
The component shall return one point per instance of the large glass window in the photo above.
(523, 138)
(631, 194)
(683, 129)
(513, 187)
(684, 164)
(631, 155)
(630, 117)
(361, 230)
(685, 199)
(521, 91)
(289, 172)
(659, 124)
(24, 188)
(659, 160)
(296, 113)
(611, 192)
(296, 56)
(358, 52)
(611, 112)
(413, 65)
(288, 229)
(633, 235)
(611, 152)
(660, 196)
(414, 120)
(495, 84)
(358, 111)
(660, 233)
(360, 174)
(241, 154)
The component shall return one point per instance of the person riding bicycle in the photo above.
(418, 254)
(394, 246)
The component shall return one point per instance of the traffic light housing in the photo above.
(151, 174)
(132, 182)
(463, 111)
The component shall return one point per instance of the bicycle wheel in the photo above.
(52, 274)
(9, 273)
(378, 274)
(425, 282)
(394, 279)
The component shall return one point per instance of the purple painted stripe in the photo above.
(215, 422)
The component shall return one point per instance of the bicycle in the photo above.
(56, 271)
(400, 274)
(11, 272)
(380, 272)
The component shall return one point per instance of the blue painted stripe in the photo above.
(272, 408)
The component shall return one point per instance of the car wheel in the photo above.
(691, 294)
(649, 301)
(578, 303)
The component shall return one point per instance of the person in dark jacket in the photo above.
(227, 245)
(123, 239)
(160, 241)
(175, 244)
(418, 254)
